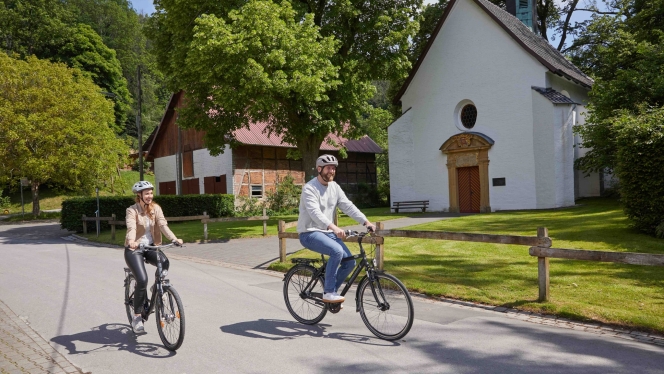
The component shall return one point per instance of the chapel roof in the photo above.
(554, 96)
(534, 44)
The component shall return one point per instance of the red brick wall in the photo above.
(265, 166)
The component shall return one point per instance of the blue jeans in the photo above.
(328, 244)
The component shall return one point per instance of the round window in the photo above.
(468, 116)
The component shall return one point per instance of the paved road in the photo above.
(72, 294)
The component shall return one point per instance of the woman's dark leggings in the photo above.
(134, 260)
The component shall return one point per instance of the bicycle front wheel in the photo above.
(304, 295)
(170, 318)
(386, 307)
(130, 289)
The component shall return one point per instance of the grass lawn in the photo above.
(626, 295)
(192, 231)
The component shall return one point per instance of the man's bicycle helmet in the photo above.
(325, 160)
(142, 185)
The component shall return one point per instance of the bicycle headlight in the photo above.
(164, 273)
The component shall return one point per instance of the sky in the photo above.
(143, 6)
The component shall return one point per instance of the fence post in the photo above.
(264, 222)
(543, 269)
(205, 234)
(85, 225)
(380, 248)
(282, 242)
(113, 227)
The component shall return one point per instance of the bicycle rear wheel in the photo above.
(386, 307)
(170, 318)
(304, 303)
(130, 288)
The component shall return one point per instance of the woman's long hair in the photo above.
(149, 209)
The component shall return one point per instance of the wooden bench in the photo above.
(416, 204)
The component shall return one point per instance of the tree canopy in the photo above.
(625, 55)
(55, 126)
(304, 68)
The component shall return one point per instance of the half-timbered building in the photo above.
(182, 164)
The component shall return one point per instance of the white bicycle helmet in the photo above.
(142, 185)
(325, 160)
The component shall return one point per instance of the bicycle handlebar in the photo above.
(155, 247)
(351, 233)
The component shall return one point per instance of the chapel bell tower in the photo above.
(525, 11)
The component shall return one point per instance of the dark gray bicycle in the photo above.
(164, 302)
(381, 299)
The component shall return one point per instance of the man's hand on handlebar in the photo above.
(341, 234)
(370, 226)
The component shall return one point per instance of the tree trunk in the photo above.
(35, 198)
(310, 148)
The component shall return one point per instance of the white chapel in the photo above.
(487, 119)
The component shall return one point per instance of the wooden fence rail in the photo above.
(540, 247)
(205, 219)
(283, 235)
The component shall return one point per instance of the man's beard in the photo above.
(328, 177)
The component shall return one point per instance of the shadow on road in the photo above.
(33, 233)
(273, 329)
(110, 337)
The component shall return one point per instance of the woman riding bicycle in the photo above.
(142, 220)
(320, 198)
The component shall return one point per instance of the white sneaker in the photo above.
(333, 297)
(137, 324)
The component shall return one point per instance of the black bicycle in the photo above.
(164, 301)
(381, 299)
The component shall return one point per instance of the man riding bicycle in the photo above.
(320, 198)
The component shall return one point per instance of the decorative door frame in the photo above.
(463, 150)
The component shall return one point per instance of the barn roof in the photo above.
(256, 134)
(534, 44)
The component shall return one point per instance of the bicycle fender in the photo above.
(357, 294)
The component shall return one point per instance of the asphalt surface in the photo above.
(236, 322)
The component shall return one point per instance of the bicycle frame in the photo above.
(157, 288)
(364, 264)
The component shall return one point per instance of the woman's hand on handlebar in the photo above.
(133, 245)
(178, 242)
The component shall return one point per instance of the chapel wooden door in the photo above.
(469, 189)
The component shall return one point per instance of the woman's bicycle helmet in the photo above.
(142, 185)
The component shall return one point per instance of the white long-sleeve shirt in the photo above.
(317, 205)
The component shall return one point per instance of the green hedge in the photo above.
(640, 167)
(172, 205)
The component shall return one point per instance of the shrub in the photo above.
(172, 205)
(640, 167)
(4, 201)
(249, 206)
(286, 197)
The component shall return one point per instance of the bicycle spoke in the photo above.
(297, 292)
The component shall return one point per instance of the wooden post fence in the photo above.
(205, 232)
(113, 227)
(380, 248)
(264, 222)
(543, 269)
(283, 235)
(85, 225)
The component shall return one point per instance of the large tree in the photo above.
(305, 68)
(55, 126)
(625, 55)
